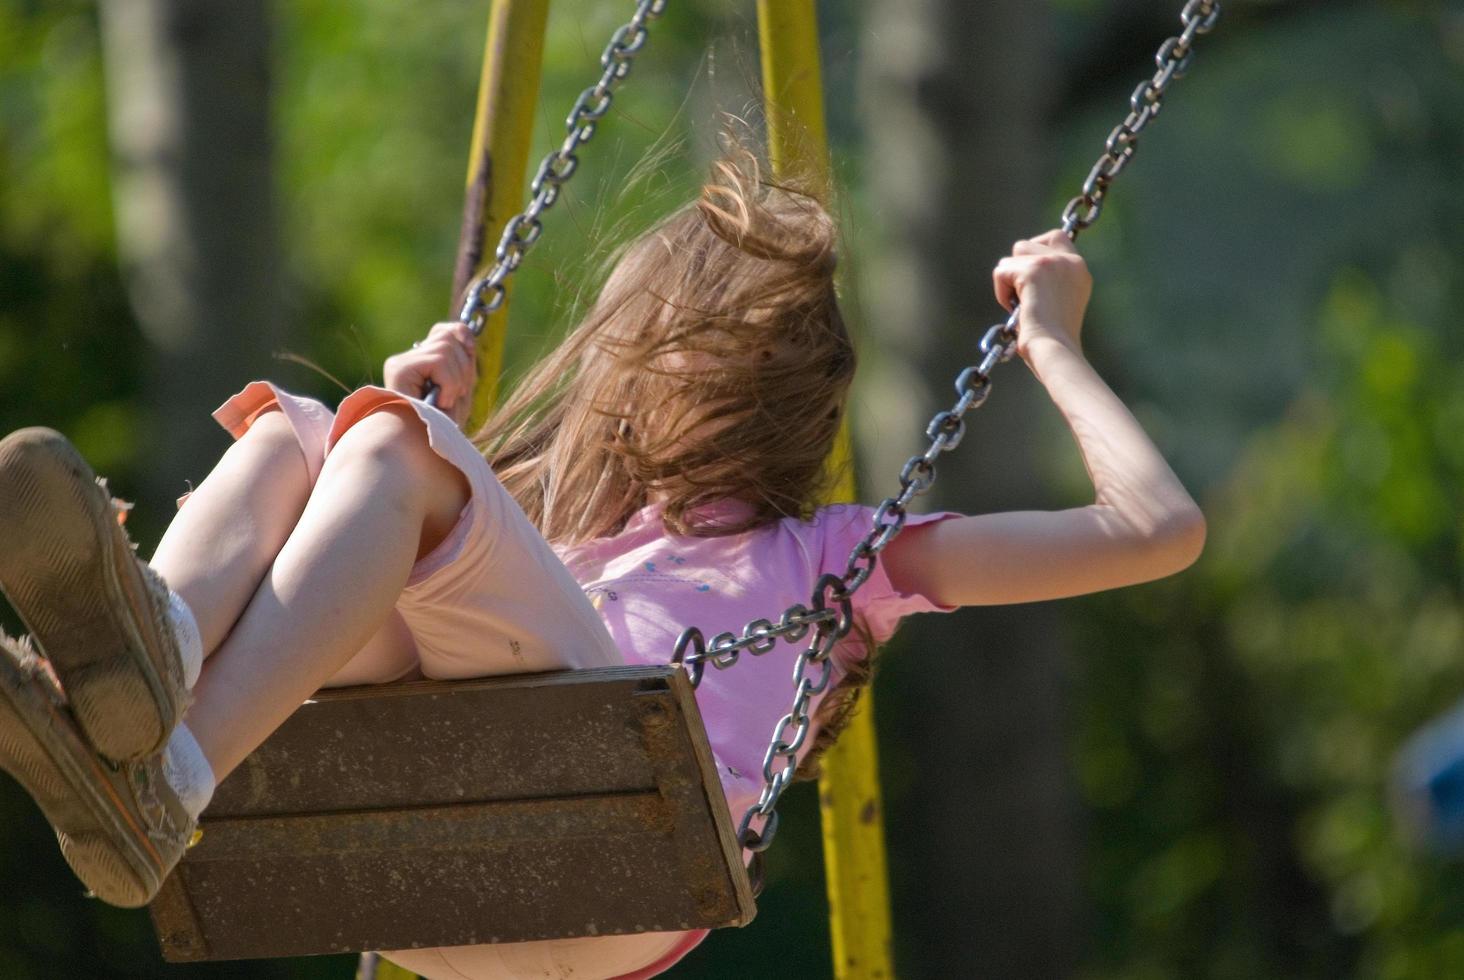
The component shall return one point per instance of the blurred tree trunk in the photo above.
(188, 92)
(984, 829)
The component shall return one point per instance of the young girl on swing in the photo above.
(658, 470)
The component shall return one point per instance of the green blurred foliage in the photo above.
(1279, 293)
(1237, 725)
(67, 347)
(375, 113)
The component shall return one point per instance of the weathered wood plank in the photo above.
(496, 810)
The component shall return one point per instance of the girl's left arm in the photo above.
(1142, 524)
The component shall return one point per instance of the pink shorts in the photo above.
(492, 598)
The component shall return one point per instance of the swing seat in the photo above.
(432, 813)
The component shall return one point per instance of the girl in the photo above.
(657, 470)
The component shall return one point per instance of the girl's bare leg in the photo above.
(218, 547)
(384, 498)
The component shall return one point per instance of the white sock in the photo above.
(190, 641)
(187, 771)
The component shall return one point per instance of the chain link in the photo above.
(487, 294)
(830, 613)
(1172, 60)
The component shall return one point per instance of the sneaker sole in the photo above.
(100, 839)
(90, 605)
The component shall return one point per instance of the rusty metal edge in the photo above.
(726, 832)
(180, 934)
(656, 675)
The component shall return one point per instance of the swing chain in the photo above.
(831, 610)
(1173, 59)
(917, 476)
(831, 614)
(488, 293)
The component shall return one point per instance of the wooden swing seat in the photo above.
(452, 813)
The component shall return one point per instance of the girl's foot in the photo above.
(121, 828)
(98, 613)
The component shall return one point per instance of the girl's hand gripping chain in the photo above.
(1141, 525)
(447, 359)
(1052, 282)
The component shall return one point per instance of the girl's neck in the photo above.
(728, 509)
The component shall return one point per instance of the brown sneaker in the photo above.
(121, 827)
(98, 613)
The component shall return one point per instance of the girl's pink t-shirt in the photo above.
(649, 586)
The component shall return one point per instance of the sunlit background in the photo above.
(1188, 779)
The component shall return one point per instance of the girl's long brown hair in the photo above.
(715, 364)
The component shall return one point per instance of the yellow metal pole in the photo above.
(853, 824)
(503, 127)
(387, 970)
(793, 89)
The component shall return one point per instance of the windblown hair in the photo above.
(715, 364)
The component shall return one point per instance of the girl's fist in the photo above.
(447, 359)
(1051, 281)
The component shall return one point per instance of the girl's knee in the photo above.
(271, 444)
(271, 434)
(395, 438)
(392, 434)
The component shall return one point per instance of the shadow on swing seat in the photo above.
(452, 813)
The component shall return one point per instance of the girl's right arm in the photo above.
(1142, 524)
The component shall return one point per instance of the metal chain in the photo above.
(1173, 60)
(830, 612)
(488, 292)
